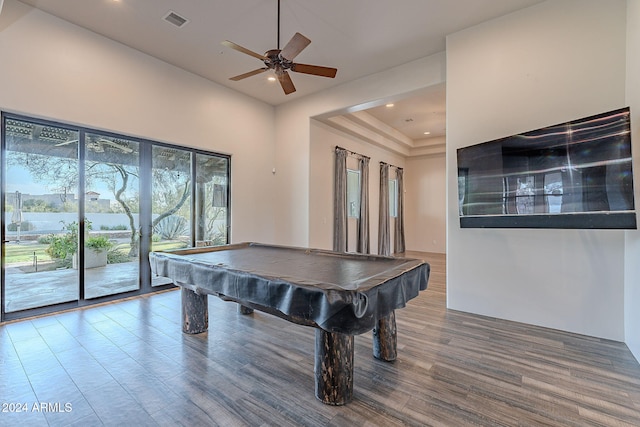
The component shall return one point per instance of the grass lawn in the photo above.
(20, 253)
(24, 252)
(165, 245)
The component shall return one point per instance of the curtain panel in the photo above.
(363, 221)
(398, 236)
(340, 241)
(384, 238)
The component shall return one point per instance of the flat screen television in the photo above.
(570, 175)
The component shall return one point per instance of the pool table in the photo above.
(339, 294)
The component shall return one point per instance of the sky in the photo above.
(20, 179)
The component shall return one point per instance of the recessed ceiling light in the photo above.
(427, 133)
(271, 79)
(389, 105)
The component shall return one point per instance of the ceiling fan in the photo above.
(281, 60)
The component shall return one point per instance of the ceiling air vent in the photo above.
(175, 19)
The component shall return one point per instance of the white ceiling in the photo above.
(417, 117)
(358, 37)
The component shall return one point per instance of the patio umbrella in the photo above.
(16, 217)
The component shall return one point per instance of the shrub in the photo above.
(171, 227)
(97, 243)
(220, 237)
(45, 240)
(24, 226)
(115, 256)
(62, 246)
(114, 227)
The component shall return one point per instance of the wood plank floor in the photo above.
(128, 363)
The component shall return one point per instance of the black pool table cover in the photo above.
(338, 292)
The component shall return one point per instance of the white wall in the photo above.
(54, 70)
(425, 204)
(632, 246)
(323, 142)
(293, 137)
(556, 61)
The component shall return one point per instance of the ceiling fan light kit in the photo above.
(281, 61)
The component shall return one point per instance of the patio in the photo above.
(43, 288)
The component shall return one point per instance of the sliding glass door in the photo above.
(211, 200)
(82, 209)
(170, 201)
(40, 213)
(111, 212)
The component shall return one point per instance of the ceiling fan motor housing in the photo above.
(275, 61)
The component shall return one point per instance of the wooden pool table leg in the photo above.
(334, 367)
(244, 310)
(195, 312)
(385, 338)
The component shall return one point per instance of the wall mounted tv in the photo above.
(571, 175)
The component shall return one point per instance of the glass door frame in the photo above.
(145, 215)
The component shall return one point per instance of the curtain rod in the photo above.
(353, 153)
(391, 166)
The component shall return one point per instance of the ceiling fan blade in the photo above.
(249, 74)
(316, 70)
(286, 83)
(239, 48)
(297, 43)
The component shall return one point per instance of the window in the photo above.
(353, 193)
(212, 225)
(65, 187)
(553, 192)
(525, 195)
(393, 198)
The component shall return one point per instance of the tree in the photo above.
(60, 175)
(169, 194)
(38, 205)
(117, 177)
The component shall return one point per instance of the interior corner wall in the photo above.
(294, 157)
(553, 62)
(426, 204)
(632, 237)
(54, 70)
